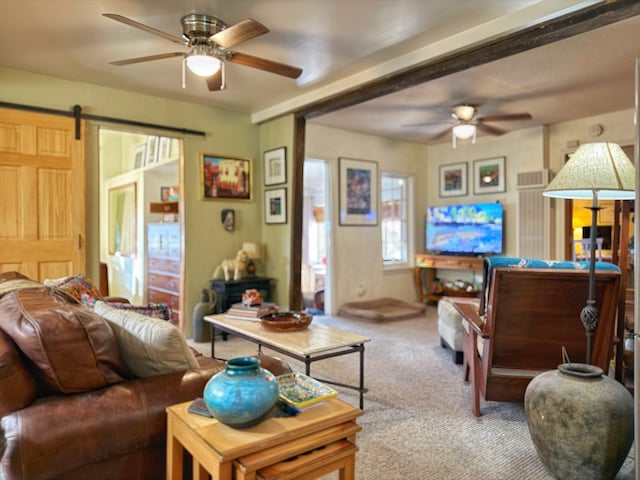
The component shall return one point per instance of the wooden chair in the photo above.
(529, 315)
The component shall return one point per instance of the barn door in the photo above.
(42, 195)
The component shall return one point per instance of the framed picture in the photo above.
(275, 205)
(164, 149)
(139, 156)
(275, 166)
(164, 194)
(453, 180)
(152, 150)
(489, 175)
(223, 177)
(358, 192)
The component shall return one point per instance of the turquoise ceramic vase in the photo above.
(241, 395)
(580, 421)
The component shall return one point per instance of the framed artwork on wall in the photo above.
(489, 175)
(275, 205)
(275, 166)
(453, 180)
(358, 192)
(224, 177)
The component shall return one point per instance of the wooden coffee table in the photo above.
(317, 441)
(317, 342)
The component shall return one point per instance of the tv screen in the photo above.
(472, 229)
(604, 231)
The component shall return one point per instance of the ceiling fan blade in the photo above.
(490, 130)
(266, 65)
(505, 117)
(149, 58)
(440, 135)
(216, 81)
(144, 28)
(425, 124)
(238, 33)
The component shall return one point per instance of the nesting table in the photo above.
(317, 342)
(315, 442)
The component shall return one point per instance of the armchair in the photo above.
(530, 309)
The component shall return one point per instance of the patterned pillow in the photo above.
(155, 310)
(79, 287)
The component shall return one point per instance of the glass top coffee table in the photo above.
(317, 342)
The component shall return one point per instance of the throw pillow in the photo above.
(12, 281)
(155, 310)
(149, 346)
(68, 346)
(79, 287)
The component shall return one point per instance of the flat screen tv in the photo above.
(471, 229)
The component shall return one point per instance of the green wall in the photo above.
(227, 133)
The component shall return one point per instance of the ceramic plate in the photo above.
(300, 390)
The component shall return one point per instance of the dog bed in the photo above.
(382, 309)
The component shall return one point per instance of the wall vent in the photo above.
(533, 224)
(536, 179)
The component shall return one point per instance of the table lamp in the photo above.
(253, 252)
(595, 171)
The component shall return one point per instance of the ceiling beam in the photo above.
(553, 30)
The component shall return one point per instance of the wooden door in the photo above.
(42, 195)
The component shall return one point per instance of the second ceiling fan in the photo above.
(209, 40)
(465, 122)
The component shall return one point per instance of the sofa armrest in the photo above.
(58, 434)
(470, 313)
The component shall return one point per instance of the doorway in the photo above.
(140, 228)
(315, 275)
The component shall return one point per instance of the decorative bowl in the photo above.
(285, 321)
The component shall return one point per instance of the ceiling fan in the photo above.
(465, 122)
(209, 39)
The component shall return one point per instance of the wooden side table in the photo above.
(319, 440)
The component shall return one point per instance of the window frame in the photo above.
(408, 219)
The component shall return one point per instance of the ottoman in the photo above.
(450, 324)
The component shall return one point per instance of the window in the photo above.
(395, 195)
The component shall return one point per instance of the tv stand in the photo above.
(431, 263)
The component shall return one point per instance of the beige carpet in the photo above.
(418, 423)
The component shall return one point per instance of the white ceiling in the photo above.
(338, 44)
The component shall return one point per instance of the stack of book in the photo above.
(250, 312)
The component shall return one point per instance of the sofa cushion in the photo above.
(68, 346)
(17, 386)
(149, 346)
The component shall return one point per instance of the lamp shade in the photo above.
(252, 250)
(596, 169)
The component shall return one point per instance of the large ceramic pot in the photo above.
(580, 421)
(241, 395)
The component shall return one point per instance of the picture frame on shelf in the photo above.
(275, 206)
(358, 192)
(225, 178)
(453, 180)
(152, 150)
(139, 155)
(164, 149)
(164, 194)
(489, 175)
(275, 166)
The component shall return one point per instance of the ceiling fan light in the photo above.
(203, 65)
(464, 130)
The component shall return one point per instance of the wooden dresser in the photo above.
(163, 266)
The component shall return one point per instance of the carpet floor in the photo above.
(417, 421)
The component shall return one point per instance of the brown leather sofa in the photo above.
(68, 406)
